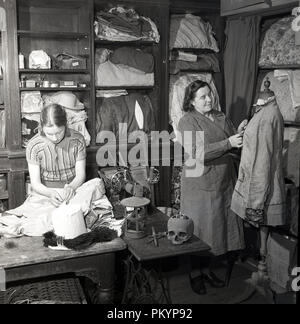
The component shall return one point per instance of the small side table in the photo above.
(138, 280)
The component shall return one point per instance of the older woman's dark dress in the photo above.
(206, 199)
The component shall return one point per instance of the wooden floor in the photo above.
(236, 293)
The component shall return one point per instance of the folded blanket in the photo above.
(133, 57)
(189, 31)
(110, 75)
(205, 62)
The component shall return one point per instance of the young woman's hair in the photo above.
(53, 115)
(190, 93)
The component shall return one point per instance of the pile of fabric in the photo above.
(32, 103)
(134, 109)
(189, 31)
(181, 61)
(125, 66)
(35, 216)
(120, 24)
(278, 46)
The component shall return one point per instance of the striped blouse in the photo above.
(57, 161)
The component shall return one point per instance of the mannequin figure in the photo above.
(259, 194)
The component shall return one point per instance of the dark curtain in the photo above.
(240, 65)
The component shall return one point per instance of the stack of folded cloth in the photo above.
(120, 24)
(126, 66)
(182, 61)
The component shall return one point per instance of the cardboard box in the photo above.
(281, 259)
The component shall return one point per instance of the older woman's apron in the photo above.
(207, 199)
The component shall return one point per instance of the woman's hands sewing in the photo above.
(67, 194)
(56, 198)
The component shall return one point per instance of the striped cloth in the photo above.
(57, 161)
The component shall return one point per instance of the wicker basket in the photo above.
(61, 291)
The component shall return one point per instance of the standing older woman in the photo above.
(206, 198)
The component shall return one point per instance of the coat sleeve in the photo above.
(260, 173)
(212, 151)
(215, 150)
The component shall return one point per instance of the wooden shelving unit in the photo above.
(56, 89)
(54, 35)
(4, 195)
(50, 71)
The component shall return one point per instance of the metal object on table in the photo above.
(134, 222)
(156, 236)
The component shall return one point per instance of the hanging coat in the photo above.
(206, 199)
(260, 184)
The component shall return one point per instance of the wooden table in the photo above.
(143, 251)
(30, 260)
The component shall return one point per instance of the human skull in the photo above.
(180, 229)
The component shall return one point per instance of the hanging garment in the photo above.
(240, 65)
(294, 83)
(260, 186)
(206, 199)
(178, 85)
(116, 110)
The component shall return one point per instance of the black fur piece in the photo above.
(10, 245)
(100, 234)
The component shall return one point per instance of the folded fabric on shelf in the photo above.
(111, 93)
(120, 24)
(133, 57)
(189, 31)
(205, 62)
(278, 46)
(110, 74)
(31, 102)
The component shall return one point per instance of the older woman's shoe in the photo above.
(213, 280)
(198, 285)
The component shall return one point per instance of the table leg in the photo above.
(102, 274)
(141, 285)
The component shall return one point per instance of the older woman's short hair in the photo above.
(190, 93)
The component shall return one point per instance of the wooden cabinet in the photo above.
(58, 26)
